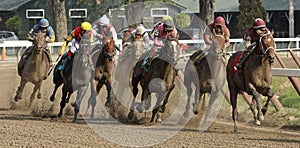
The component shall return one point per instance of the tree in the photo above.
(182, 20)
(14, 24)
(59, 16)
(250, 10)
(206, 13)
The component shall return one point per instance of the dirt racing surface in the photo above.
(37, 126)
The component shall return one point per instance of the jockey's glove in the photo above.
(47, 39)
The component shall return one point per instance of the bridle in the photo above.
(265, 50)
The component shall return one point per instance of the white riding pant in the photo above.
(75, 45)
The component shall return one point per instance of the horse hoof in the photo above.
(39, 96)
(186, 114)
(158, 120)
(17, 98)
(140, 108)
(74, 120)
(162, 109)
(130, 115)
(52, 99)
(107, 103)
(59, 115)
(257, 122)
(264, 110)
(73, 104)
(196, 112)
(261, 117)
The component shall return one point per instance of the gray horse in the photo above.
(207, 74)
(34, 68)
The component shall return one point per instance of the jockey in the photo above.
(165, 30)
(74, 37)
(250, 36)
(103, 30)
(164, 18)
(139, 34)
(42, 26)
(218, 27)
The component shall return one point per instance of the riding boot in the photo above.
(64, 62)
(23, 59)
(241, 60)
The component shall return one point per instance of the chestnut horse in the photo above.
(159, 79)
(103, 74)
(254, 78)
(207, 74)
(35, 68)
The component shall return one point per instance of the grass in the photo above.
(288, 95)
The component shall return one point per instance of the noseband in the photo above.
(264, 50)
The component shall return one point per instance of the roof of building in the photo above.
(9, 5)
(192, 6)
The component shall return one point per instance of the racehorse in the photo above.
(158, 79)
(34, 68)
(75, 76)
(130, 54)
(206, 73)
(103, 74)
(254, 78)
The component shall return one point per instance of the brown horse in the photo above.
(130, 54)
(207, 74)
(254, 78)
(103, 74)
(159, 79)
(35, 69)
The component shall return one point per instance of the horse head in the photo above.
(39, 42)
(266, 47)
(218, 46)
(109, 49)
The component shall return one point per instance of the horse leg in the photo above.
(157, 108)
(189, 92)
(93, 99)
(233, 100)
(163, 106)
(145, 95)
(63, 100)
(35, 89)
(52, 98)
(260, 115)
(20, 90)
(39, 95)
(197, 98)
(254, 111)
(108, 98)
(80, 94)
(134, 87)
(270, 95)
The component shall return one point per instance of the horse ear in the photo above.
(272, 32)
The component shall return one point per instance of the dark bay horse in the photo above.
(208, 75)
(35, 68)
(75, 76)
(130, 54)
(103, 74)
(159, 79)
(254, 78)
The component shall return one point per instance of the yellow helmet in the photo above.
(86, 26)
(166, 17)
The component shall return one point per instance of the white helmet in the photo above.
(140, 30)
(104, 20)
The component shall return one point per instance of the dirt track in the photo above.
(24, 126)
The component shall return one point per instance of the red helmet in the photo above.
(219, 21)
(258, 23)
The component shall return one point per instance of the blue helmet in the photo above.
(44, 23)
